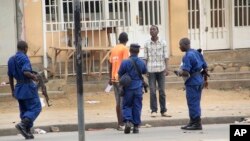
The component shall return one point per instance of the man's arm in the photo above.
(166, 66)
(110, 73)
(182, 73)
(165, 52)
(30, 75)
(11, 80)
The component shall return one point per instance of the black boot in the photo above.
(136, 129)
(191, 121)
(22, 128)
(196, 125)
(30, 135)
(128, 126)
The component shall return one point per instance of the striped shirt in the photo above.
(155, 54)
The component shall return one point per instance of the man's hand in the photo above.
(166, 72)
(34, 77)
(177, 73)
(110, 82)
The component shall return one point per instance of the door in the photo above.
(143, 14)
(217, 25)
(7, 30)
(209, 24)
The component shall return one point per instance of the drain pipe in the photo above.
(45, 60)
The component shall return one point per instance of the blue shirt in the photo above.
(17, 65)
(193, 62)
(127, 66)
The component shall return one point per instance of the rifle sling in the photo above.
(136, 68)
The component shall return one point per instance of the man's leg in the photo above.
(153, 98)
(136, 111)
(118, 100)
(193, 94)
(22, 126)
(34, 108)
(127, 110)
(160, 77)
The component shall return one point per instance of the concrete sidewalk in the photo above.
(218, 106)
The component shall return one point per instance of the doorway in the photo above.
(209, 24)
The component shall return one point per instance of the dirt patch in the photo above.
(103, 101)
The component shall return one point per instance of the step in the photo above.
(99, 86)
(227, 55)
(51, 85)
(213, 84)
(216, 76)
(52, 95)
(217, 84)
(216, 79)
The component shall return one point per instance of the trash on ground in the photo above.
(92, 101)
(54, 129)
(39, 131)
(3, 83)
(146, 126)
(243, 120)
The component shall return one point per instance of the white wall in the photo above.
(7, 30)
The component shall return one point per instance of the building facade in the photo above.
(210, 24)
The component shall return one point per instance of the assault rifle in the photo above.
(41, 84)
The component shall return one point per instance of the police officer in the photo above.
(25, 91)
(132, 101)
(193, 64)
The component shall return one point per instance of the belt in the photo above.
(195, 73)
(23, 81)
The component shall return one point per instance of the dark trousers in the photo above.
(132, 106)
(118, 100)
(193, 95)
(158, 77)
(30, 108)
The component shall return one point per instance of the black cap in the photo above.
(134, 45)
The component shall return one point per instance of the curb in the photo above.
(153, 123)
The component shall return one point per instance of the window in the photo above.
(241, 13)
(119, 10)
(51, 10)
(90, 10)
(149, 12)
(92, 13)
(193, 14)
(217, 13)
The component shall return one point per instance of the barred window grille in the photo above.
(241, 13)
(193, 14)
(61, 11)
(150, 12)
(51, 9)
(217, 12)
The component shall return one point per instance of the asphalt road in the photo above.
(215, 132)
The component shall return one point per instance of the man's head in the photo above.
(154, 30)
(123, 38)
(184, 44)
(134, 49)
(22, 46)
